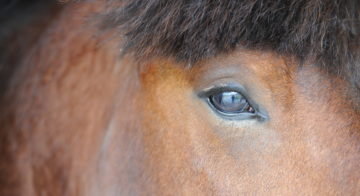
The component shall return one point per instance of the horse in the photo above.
(177, 97)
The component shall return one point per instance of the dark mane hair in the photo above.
(325, 32)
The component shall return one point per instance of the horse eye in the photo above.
(230, 103)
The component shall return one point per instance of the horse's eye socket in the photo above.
(231, 103)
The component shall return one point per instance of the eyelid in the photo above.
(222, 88)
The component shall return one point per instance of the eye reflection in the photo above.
(230, 102)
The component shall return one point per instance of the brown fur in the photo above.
(77, 120)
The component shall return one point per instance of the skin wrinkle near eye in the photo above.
(222, 73)
(244, 139)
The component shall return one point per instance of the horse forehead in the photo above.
(282, 76)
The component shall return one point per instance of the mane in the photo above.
(325, 32)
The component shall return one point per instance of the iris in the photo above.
(230, 102)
